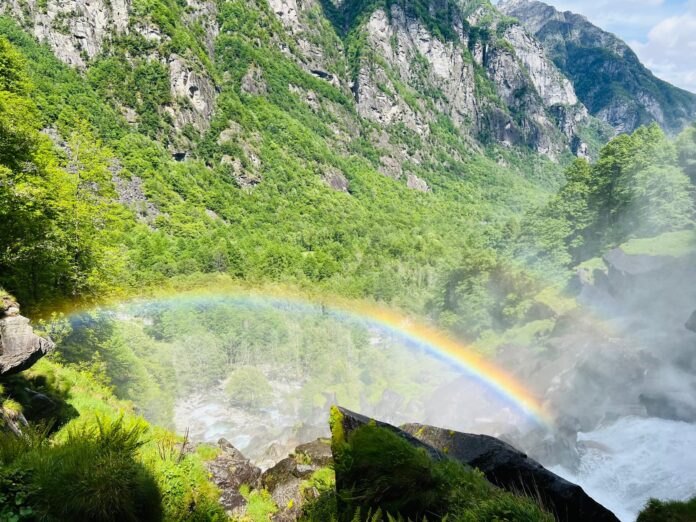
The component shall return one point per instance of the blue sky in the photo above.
(662, 32)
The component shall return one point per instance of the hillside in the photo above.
(271, 142)
(244, 211)
(607, 75)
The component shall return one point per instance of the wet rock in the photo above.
(663, 406)
(512, 470)
(229, 471)
(691, 323)
(20, 347)
(633, 265)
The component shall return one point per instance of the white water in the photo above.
(642, 459)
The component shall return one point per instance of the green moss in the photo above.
(336, 426)
(381, 472)
(260, 506)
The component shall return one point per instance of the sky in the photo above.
(661, 32)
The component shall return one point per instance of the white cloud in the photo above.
(670, 49)
(629, 19)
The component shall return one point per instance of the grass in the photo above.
(103, 463)
(260, 506)
(674, 244)
(672, 511)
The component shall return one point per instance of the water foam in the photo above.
(636, 459)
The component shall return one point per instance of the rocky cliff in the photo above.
(85, 33)
(407, 64)
(607, 75)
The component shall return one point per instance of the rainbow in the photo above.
(425, 337)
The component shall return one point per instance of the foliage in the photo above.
(248, 387)
(637, 189)
(260, 505)
(658, 511)
(105, 464)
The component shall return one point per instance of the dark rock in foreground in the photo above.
(512, 470)
(20, 347)
(284, 481)
(502, 465)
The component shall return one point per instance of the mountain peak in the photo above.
(607, 74)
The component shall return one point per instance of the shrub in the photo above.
(658, 511)
(96, 474)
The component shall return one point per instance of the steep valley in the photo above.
(226, 218)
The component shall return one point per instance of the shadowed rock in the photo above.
(20, 347)
(284, 480)
(512, 470)
(502, 465)
(691, 323)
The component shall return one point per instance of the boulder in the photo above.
(502, 465)
(20, 347)
(229, 471)
(351, 421)
(512, 470)
(284, 480)
(664, 406)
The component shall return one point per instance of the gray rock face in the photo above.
(74, 29)
(196, 88)
(20, 347)
(78, 30)
(229, 471)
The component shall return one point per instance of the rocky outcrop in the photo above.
(580, 49)
(284, 481)
(20, 347)
(502, 465)
(691, 323)
(229, 471)
(193, 92)
(405, 53)
(74, 29)
(512, 470)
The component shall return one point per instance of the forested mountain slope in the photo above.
(367, 148)
(167, 138)
(606, 74)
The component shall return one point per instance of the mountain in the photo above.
(607, 75)
(223, 136)
(404, 63)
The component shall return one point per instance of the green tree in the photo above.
(247, 387)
